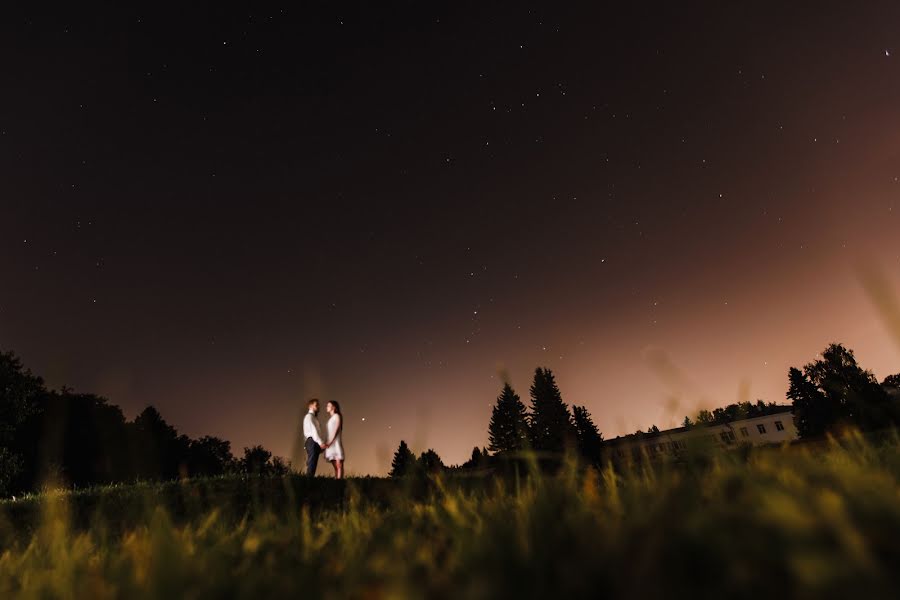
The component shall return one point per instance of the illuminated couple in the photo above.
(331, 444)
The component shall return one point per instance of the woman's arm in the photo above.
(337, 429)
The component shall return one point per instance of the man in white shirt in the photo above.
(313, 444)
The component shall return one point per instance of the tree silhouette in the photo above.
(157, 449)
(761, 409)
(82, 437)
(280, 467)
(430, 462)
(736, 412)
(834, 390)
(813, 411)
(404, 461)
(508, 429)
(892, 381)
(20, 392)
(551, 423)
(210, 456)
(476, 460)
(687, 423)
(588, 437)
(256, 461)
(653, 429)
(726, 414)
(704, 417)
(67, 438)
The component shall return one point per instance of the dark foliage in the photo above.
(551, 425)
(731, 413)
(404, 461)
(156, 446)
(80, 440)
(10, 467)
(813, 411)
(892, 381)
(255, 460)
(475, 460)
(430, 462)
(508, 428)
(480, 459)
(834, 390)
(588, 437)
(20, 393)
(704, 417)
(259, 461)
(211, 456)
(75, 439)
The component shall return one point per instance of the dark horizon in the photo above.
(222, 213)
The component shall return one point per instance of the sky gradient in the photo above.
(222, 212)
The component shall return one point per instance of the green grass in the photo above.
(814, 522)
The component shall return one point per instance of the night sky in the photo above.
(223, 211)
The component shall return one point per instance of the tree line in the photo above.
(546, 426)
(81, 439)
(828, 394)
(76, 439)
(835, 392)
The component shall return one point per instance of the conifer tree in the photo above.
(404, 461)
(588, 436)
(476, 459)
(508, 429)
(551, 423)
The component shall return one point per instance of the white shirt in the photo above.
(311, 428)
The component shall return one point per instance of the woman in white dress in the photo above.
(334, 450)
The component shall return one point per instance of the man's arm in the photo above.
(310, 430)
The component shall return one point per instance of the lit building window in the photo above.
(779, 426)
(761, 428)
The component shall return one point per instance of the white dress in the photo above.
(336, 450)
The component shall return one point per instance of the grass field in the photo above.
(810, 522)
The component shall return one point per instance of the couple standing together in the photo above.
(312, 431)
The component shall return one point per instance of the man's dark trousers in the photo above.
(312, 456)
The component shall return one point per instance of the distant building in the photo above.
(776, 427)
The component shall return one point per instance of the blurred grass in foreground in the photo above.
(798, 522)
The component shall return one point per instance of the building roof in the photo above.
(770, 411)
